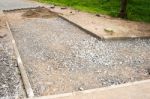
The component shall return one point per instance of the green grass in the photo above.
(138, 10)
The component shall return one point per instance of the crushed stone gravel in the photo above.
(10, 81)
(60, 57)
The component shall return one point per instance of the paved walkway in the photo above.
(15, 4)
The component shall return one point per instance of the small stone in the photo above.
(4, 86)
(104, 83)
(120, 62)
(98, 15)
(2, 35)
(98, 71)
(109, 31)
(63, 8)
(52, 7)
(148, 70)
(80, 89)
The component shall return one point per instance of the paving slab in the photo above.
(110, 28)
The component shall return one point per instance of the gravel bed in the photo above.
(10, 81)
(61, 58)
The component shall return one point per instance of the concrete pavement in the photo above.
(16, 4)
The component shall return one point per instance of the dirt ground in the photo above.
(39, 13)
(60, 57)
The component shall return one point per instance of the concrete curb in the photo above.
(80, 27)
(86, 92)
(103, 37)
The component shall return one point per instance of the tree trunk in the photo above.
(123, 9)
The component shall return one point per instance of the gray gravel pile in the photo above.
(61, 58)
(10, 83)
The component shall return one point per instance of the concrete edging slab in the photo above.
(80, 27)
(85, 93)
(103, 37)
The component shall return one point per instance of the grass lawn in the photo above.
(138, 10)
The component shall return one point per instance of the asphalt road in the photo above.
(15, 4)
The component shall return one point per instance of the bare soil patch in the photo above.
(39, 12)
